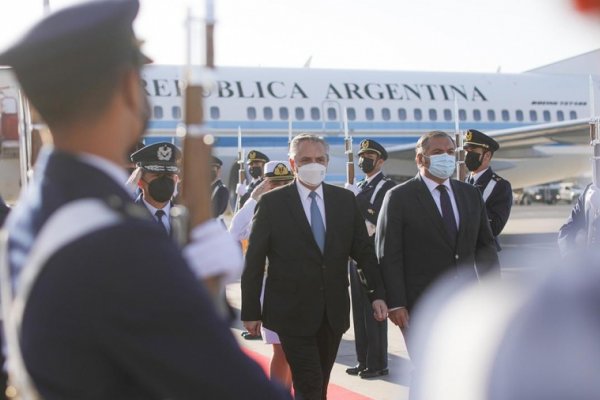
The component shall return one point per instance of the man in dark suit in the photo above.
(307, 230)
(115, 312)
(256, 168)
(219, 193)
(370, 335)
(159, 164)
(496, 191)
(429, 226)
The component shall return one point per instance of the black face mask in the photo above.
(366, 165)
(472, 160)
(162, 188)
(255, 172)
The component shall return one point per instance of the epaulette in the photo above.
(126, 209)
(497, 178)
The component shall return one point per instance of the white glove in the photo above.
(352, 187)
(213, 252)
(240, 189)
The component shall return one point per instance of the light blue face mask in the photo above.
(442, 165)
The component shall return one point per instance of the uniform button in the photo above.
(456, 257)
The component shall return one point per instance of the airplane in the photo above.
(540, 118)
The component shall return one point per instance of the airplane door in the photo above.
(331, 117)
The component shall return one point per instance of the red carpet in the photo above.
(334, 392)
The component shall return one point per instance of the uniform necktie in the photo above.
(447, 213)
(316, 222)
(470, 180)
(159, 217)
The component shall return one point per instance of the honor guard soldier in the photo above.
(105, 305)
(159, 164)
(256, 164)
(219, 192)
(496, 191)
(370, 336)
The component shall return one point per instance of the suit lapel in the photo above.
(461, 204)
(297, 210)
(425, 198)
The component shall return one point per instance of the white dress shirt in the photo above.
(432, 186)
(477, 175)
(167, 209)
(306, 201)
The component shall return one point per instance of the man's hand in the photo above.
(262, 188)
(240, 189)
(399, 317)
(253, 327)
(352, 188)
(380, 310)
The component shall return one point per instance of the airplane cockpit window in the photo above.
(351, 112)
(447, 114)
(369, 114)
(432, 114)
(546, 115)
(402, 114)
(176, 112)
(268, 113)
(491, 115)
(385, 114)
(477, 115)
(283, 113)
(331, 114)
(533, 115)
(299, 113)
(158, 112)
(462, 114)
(573, 114)
(560, 115)
(215, 112)
(315, 113)
(505, 115)
(418, 114)
(519, 115)
(251, 113)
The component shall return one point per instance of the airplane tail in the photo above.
(586, 64)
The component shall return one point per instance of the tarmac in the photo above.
(528, 247)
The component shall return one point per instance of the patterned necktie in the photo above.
(447, 213)
(159, 214)
(316, 222)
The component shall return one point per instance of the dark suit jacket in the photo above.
(371, 210)
(120, 304)
(414, 248)
(499, 203)
(219, 198)
(302, 283)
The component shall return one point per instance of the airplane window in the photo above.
(176, 112)
(477, 115)
(402, 114)
(283, 113)
(491, 114)
(573, 114)
(385, 114)
(560, 115)
(268, 113)
(215, 113)
(158, 112)
(505, 115)
(251, 112)
(299, 113)
(519, 115)
(447, 114)
(351, 112)
(369, 114)
(418, 114)
(331, 114)
(462, 115)
(315, 114)
(533, 115)
(432, 114)
(546, 115)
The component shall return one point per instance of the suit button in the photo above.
(456, 257)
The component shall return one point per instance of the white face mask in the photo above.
(312, 174)
(442, 165)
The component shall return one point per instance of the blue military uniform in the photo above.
(219, 192)
(253, 155)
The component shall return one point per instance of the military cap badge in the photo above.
(469, 136)
(164, 153)
(252, 155)
(365, 144)
(281, 169)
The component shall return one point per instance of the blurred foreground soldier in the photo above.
(106, 307)
(370, 335)
(219, 192)
(307, 230)
(256, 168)
(159, 166)
(496, 192)
(431, 225)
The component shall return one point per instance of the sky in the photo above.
(423, 35)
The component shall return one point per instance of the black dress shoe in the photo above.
(355, 370)
(373, 373)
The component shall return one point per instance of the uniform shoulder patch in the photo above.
(497, 178)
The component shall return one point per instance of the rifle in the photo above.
(461, 169)
(348, 151)
(241, 170)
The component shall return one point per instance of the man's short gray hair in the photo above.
(306, 137)
(423, 142)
